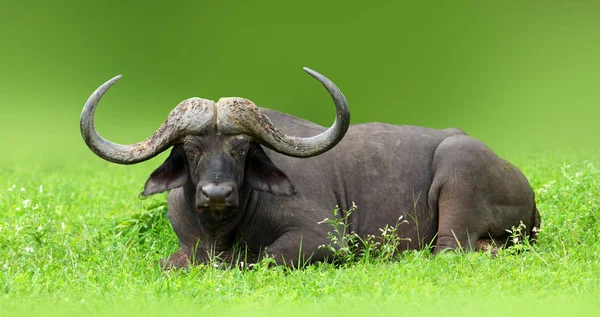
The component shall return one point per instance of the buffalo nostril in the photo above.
(217, 192)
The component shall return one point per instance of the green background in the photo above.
(521, 76)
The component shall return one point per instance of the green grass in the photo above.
(75, 238)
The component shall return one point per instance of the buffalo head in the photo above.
(216, 147)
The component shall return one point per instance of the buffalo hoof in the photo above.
(487, 245)
(177, 260)
(483, 245)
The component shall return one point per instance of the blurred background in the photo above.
(523, 77)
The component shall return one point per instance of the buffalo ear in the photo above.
(174, 172)
(263, 175)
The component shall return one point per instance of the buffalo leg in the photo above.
(294, 250)
(457, 219)
(478, 195)
(192, 249)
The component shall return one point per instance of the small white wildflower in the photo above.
(515, 240)
(10, 189)
(218, 290)
(41, 189)
(35, 207)
(18, 208)
(62, 225)
(22, 189)
(40, 228)
(216, 265)
(29, 249)
(26, 203)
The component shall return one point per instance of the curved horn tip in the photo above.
(104, 87)
(318, 76)
(115, 78)
(311, 72)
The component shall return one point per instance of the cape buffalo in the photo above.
(238, 174)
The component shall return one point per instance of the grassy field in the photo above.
(75, 238)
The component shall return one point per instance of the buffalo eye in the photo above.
(192, 153)
(239, 148)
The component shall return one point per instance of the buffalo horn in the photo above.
(240, 115)
(191, 116)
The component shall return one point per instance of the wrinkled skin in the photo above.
(226, 190)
